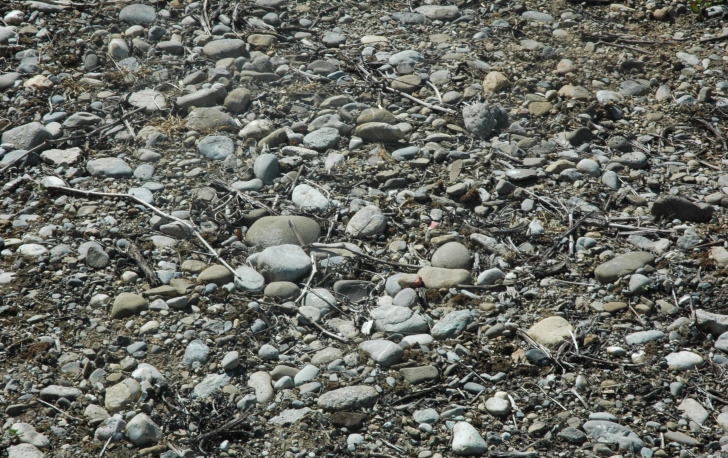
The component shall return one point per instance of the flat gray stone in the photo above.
(27, 136)
(138, 14)
(216, 147)
(624, 264)
(275, 230)
(384, 352)
(109, 167)
(348, 398)
(466, 440)
(283, 263)
(608, 432)
(452, 324)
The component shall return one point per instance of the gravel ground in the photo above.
(297, 228)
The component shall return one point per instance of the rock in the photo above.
(383, 352)
(466, 440)
(205, 119)
(149, 99)
(681, 438)
(109, 167)
(452, 255)
(138, 14)
(216, 147)
(27, 434)
(348, 398)
(122, 396)
(216, 274)
(267, 168)
(24, 451)
(275, 230)
(684, 360)
(416, 375)
(367, 222)
(495, 82)
(289, 417)
(261, 382)
(248, 279)
(231, 361)
(435, 277)
(694, 410)
(62, 157)
(490, 276)
(613, 433)
(128, 304)
(283, 263)
(579, 136)
(322, 139)
(112, 429)
(379, 132)
(714, 323)
(309, 199)
(642, 337)
(211, 384)
(225, 48)
(481, 119)
(97, 258)
(52, 393)
(498, 407)
(439, 12)
(551, 331)
(452, 324)
(196, 353)
(237, 100)
(572, 435)
(26, 136)
(390, 318)
(142, 431)
(675, 207)
(622, 265)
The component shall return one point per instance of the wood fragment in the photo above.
(135, 254)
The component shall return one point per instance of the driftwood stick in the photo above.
(187, 224)
(136, 254)
(226, 187)
(715, 132)
(341, 246)
(617, 45)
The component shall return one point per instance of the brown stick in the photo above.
(617, 45)
(135, 254)
(715, 132)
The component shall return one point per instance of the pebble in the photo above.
(466, 440)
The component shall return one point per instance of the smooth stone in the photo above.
(348, 398)
(671, 207)
(551, 331)
(466, 440)
(384, 352)
(435, 277)
(309, 199)
(367, 222)
(127, 305)
(216, 274)
(396, 319)
(275, 230)
(122, 396)
(109, 167)
(452, 255)
(684, 360)
(375, 132)
(613, 433)
(452, 324)
(216, 147)
(283, 263)
(261, 382)
(142, 431)
(625, 264)
(642, 337)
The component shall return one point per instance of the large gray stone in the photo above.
(437, 277)
(611, 433)
(322, 139)
(109, 167)
(216, 147)
(203, 98)
(675, 207)
(466, 440)
(348, 398)
(27, 136)
(481, 119)
(204, 119)
(309, 199)
(225, 48)
(452, 255)
(122, 396)
(138, 14)
(127, 305)
(367, 222)
(142, 431)
(384, 352)
(283, 263)
(624, 264)
(275, 230)
(391, 318)
(452, 324)
(439, 12)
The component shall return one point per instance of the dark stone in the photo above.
(350, 420)
(671, 207)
